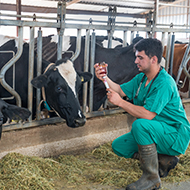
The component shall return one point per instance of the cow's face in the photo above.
(62, 83)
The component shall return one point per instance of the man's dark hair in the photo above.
(151, 46)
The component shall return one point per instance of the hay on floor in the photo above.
(100, 166)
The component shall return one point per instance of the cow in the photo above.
(12, 112)
(179, 50)
(61, 77)
(121, 67)
(61, 84)
(49, 45)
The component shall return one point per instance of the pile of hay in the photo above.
(100, 166)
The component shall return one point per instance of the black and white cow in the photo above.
(62, 83)
(121, 66)
(12, 112)
(49, 45)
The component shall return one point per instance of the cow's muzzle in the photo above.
(80, 122)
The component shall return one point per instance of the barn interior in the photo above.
(122, 18)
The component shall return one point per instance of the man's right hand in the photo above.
(99, 70)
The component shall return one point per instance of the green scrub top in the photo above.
(162, 98)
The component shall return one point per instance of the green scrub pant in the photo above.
(144, 132)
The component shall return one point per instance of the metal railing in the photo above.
(61, 25)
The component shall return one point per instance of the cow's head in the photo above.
(61, 84)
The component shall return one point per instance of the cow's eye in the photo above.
(59, 89)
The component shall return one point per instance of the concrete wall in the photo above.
(53, 140)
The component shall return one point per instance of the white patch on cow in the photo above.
(114, 43)
(65, 44)
(79, 113)
(68, 72)
(4, 39)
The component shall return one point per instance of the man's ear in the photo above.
(155, 59)
(40, 81)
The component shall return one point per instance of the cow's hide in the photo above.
(179, 50)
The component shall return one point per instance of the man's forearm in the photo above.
(116, 87)
(136, 111)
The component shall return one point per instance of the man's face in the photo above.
(143, 61)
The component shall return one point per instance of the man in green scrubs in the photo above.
(161, 131)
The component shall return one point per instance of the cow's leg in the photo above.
(149, 164)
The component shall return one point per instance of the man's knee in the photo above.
(138, 126)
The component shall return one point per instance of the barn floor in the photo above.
(54, 140)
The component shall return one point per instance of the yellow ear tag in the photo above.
(82, 79)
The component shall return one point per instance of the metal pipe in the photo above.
(172, 54)
(86, 63)
(60, 30)
(182, 65)
(9, 64)
(132, 36)
(92, 61)
(59, 46)
(163, 39)
(78, 46)
(39, 71)
(168, 51)
(124, 38)
(11, 97)
(185, 68)
(30, 71)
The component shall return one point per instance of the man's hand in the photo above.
(99, 70)
(114, 97)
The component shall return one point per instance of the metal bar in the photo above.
(185, 68)
(92, 62)
(93, 27)
(18, 10)
(58, 120)
(132, 36)
(39, 71)
(31, 71)
(61, 15)
(37, 9)
(182, 65)
(69, 19)
(163, 39)
(78, 46)
(86, 66)
(9, 64)
(59, 46)
(172, 54)
(168, 52)
(124, 38)
(11, 97)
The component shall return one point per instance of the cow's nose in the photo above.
(80, 122)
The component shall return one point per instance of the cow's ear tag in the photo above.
(82, 78)
(47, 106)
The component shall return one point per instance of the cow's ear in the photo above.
(85, 76)
(40, 81)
